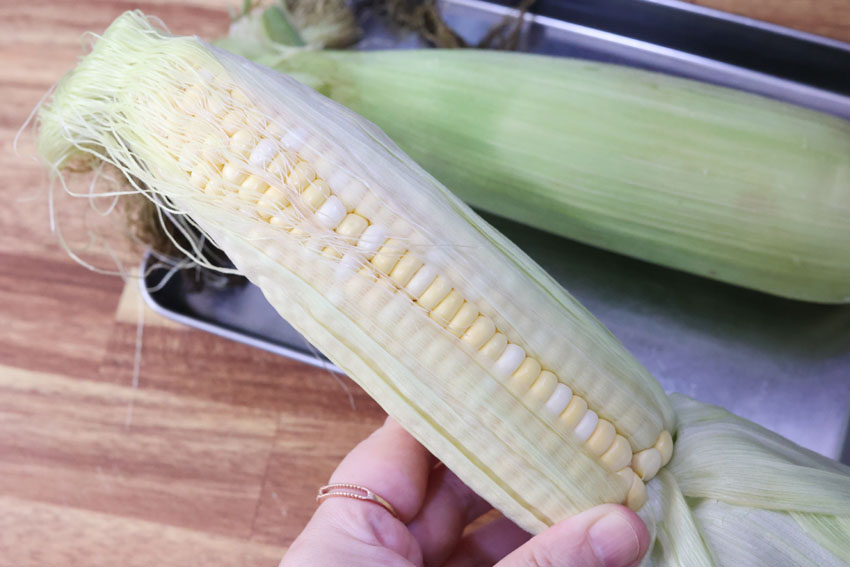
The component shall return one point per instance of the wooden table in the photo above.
(213, 456)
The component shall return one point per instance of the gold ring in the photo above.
(355, 491)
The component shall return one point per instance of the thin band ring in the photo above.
(345, 490)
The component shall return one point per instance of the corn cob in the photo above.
(452, 329)
(720, 183)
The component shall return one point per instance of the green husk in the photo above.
(733, 495)
(724, 184)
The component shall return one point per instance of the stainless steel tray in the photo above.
(780, 363)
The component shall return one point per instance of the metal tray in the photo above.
(780, 363)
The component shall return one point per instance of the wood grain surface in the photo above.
(214, 456)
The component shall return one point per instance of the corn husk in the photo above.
(120, 107)
(709, 180)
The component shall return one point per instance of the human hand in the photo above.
(433, 508)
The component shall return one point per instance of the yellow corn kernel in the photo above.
(405, 268)
(464, 317)
(646, 463)
(315, 194)
(300, 176)
(447, 308)
(241, 142)
(252, 188)
(601, 438)
(435, 293)
(280, 167)
(271, 202)
(574, 412)
(231, 122)
(330, 252)
(525, 375)
(388, 255)
(494, 348)
(542, 388)
(664, 444)
(200, 176)
(351, 227)
(636, 495)
(618, 455)
(232, 173)
(480, 332)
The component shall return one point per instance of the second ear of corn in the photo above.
(450, 327)
(717, 182)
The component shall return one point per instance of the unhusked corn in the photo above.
(293, 180)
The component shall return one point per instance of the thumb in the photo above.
(605, 536)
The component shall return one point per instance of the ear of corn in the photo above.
(720, 183)
(450, 327)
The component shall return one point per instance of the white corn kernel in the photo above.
(331, 213)
(420, 281)
(348, 266)
(349, 190)
(294, 138)
(559, 399)
(371, 239)
(263, 153)
(586, 426)
(510, 360)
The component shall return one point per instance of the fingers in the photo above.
(391, 463)
(488, 544)
(605, 536)
(449, 506)
(344, 531)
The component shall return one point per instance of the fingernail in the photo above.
(614, 541)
